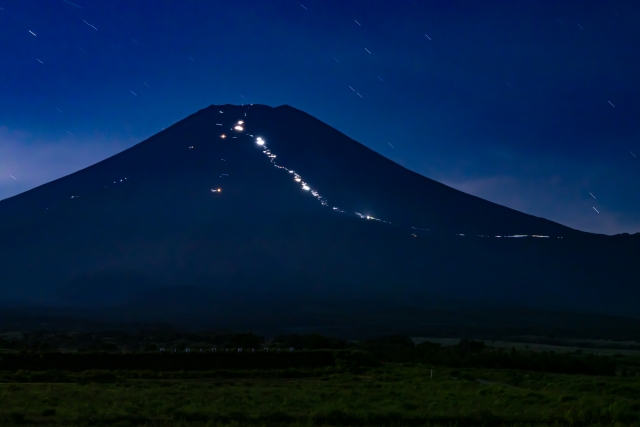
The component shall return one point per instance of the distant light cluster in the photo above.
(369, 217)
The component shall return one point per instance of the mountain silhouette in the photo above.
(237, 212)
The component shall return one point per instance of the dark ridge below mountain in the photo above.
(370, 318)
(144, 232)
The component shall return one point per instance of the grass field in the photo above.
(70, 379)
(392, 394)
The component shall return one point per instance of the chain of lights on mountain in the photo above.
(240, 127)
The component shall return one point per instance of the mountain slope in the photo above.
(136, 228)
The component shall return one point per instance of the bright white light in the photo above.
(238, 128)
(298, 180)
(259, 141)
(223, 136)
(240, 122)
(306, 187)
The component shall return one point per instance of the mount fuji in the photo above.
(246, 216)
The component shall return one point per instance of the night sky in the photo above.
(534, 105)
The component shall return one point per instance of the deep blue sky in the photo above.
(507, 100)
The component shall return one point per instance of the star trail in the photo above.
(532, 106)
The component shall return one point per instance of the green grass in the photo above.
(391, 395)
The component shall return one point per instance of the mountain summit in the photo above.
(253, 206)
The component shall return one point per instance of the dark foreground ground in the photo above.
(392, 394)
(387, 382)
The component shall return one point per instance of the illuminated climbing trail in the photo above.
(240, 126)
